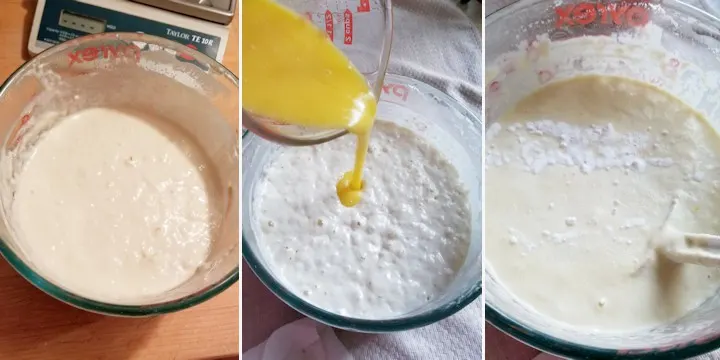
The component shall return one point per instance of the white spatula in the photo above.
(689, 248)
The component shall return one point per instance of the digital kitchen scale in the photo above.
(199, 24)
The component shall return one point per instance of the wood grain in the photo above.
(499, 346)
(35, 326)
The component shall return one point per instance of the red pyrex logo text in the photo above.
(108, 52)
(398, 90)
(622, 13)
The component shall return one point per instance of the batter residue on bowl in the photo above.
(115, 207)
(580, 176)
(396, 250)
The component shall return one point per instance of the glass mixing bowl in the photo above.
(666, 43)
(140, 72)
(447, 125)
(363, 33)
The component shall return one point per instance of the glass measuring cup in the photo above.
(362, 29)
(139, 72)
(666, 43)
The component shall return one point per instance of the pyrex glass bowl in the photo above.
(144, 72)
(456, 132)
(666, 43)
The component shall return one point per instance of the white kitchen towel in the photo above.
(434, 42)
(458, 337)
(302, 339)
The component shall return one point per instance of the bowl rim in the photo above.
(563, 348)
(358, 324)
(81, 302)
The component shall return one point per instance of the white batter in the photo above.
(113, 207)
(395, 251)
(580, 176)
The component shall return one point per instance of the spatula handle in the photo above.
(705, 241)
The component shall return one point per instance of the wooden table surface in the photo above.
(499, 346)
(35, 326)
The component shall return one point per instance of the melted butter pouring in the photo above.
(293, 73)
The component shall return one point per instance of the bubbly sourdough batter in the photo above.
(580, 176)
(399, 248)
(113, 207)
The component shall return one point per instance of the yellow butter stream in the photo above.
(293, 73)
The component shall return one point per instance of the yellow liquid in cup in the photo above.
(293, 73)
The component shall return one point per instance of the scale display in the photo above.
(57, 21)
(81, 23)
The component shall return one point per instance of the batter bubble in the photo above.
(115, 206)
(580, 176)
(395, 251)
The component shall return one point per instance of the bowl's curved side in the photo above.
(541, 340)
(566, 349)
(255, 262)
(58, 292)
